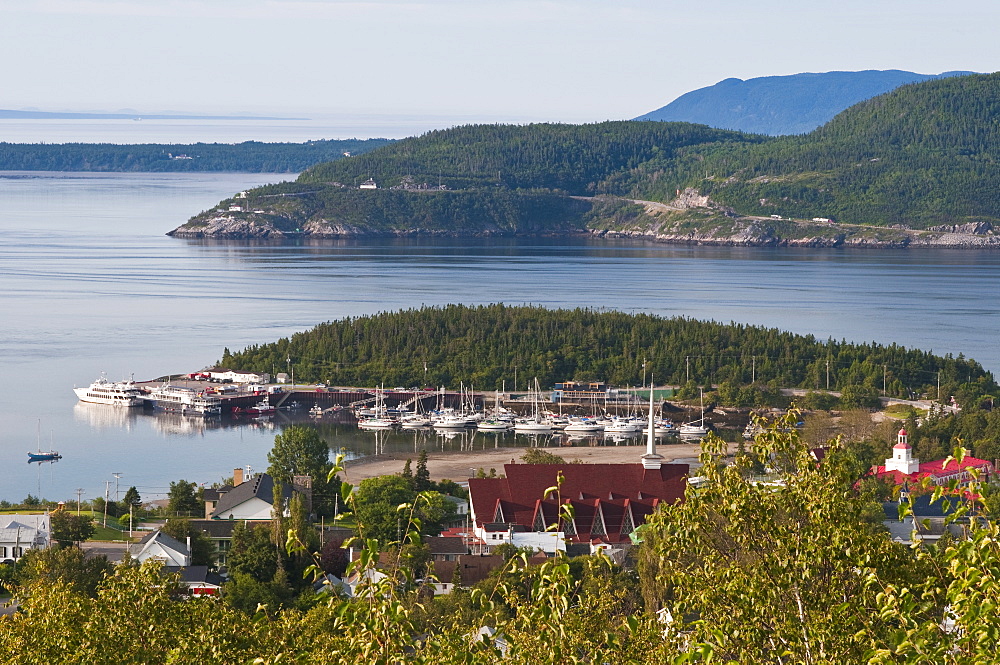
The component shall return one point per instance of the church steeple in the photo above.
(651, 460)
(902, 456)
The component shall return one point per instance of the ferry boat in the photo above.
(184, 400)
(119, 393)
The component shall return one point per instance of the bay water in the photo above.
(91, 284)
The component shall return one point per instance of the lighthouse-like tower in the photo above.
(902, 456)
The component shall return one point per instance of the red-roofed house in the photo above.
(609, 502)
(902, 467)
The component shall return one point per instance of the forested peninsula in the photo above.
(913, 167)
(486, 345)
(246, 157)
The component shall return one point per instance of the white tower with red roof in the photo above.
(902, 456)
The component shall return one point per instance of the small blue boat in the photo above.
(40, 456)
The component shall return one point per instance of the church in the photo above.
(903, 468)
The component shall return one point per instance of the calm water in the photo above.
(91, 284)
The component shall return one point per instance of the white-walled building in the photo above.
(20, 533)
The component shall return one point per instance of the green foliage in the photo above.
(572, 158)
(68, 528)
(752, 568)
(540, 456)
(859, 397)
(300, 451)
(65, 566)
(132, 497)
(378, 514)
(248, 157)
(918, 156)
(183, 499)
(252, 553)
(482, 345)
(422, 477)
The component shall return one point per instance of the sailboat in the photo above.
(43, 456)
(536, 424)
(696, 427)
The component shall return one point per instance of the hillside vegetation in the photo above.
(920, 157)
(246, 157)
(483, 346)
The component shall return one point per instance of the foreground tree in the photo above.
(774, 572)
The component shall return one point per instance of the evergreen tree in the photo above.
(422, 477)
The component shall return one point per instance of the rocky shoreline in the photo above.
(742, 232)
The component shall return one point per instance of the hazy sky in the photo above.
(565, 60)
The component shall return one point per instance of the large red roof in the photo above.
(615, 495)
(934, 470)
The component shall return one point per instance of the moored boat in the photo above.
(112, 393)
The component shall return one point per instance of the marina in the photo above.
(83, 256)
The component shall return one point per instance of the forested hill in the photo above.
(778, 105)
(482, 346)
(247, 157)
(575, 159)
(921, 157)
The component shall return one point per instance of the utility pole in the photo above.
(79, 493)
(687, 369)
(753, 372)
(939, 386)
(643, 371)
(884, 370)
(827, 373)
(107, 488)
(117, 475)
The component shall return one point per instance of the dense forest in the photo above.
(248, 157)
(485, 345)
(921, 156)
(573, 159)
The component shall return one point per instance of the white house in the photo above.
(368, 184)
(20, 533)
(221, 374)
(249, 500)
(161, 547)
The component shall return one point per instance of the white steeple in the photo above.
(651, 460)
(902, 456)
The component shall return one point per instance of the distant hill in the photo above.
(778, 105)
(246, 157)
(905, 168)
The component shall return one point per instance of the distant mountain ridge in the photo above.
(779, 105)
(916, 166)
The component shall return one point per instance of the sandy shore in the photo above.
(460, 465)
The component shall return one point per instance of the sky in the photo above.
(488, 60)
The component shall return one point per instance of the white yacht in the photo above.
(184, 400)
(583, 426)
(118, 393)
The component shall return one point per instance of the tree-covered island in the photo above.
(913, 167)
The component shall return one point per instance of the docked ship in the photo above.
(117, 393)
(183, 400)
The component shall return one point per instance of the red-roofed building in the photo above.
(609, 502)
(903, 468)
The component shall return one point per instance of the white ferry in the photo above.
(119, 393)
(184, 400)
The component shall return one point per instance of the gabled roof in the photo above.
(446, 545)
(605, 497)
(260, 487)
(933, 470)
